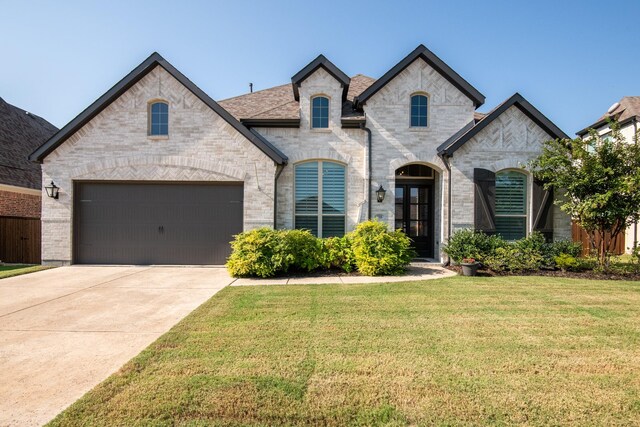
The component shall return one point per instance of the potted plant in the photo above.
(469, 266)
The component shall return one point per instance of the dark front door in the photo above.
(414, 215)
(155, 223)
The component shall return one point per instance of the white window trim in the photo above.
(328, 128)
(420, 128)
(527, 202)
(319, 213)
(149, 105)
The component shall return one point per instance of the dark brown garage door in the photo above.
(155, 223)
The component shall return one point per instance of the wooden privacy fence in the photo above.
(20, 240)
(580, 235)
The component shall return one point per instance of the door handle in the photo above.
(161, 229)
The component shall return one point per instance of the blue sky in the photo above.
(571, 59)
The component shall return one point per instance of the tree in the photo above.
(598, 180)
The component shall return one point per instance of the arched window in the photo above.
(320, 112)
(419, 110)
(159, 118)
(320, 198)
(511, 204)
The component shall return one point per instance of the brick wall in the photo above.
(19, 204)
(201, 146)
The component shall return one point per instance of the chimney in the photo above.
(250, 87)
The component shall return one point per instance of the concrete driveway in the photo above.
(63, 331)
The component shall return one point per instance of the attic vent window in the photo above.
(159, 119)
(320, 112)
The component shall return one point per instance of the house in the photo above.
(157, 172)
(627, 113)
(21, 132)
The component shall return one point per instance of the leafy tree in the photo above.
(598, 180)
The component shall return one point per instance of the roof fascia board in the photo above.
(126, 83)
(456, 141)
(605, 122)
(320, 62)
(439, 65)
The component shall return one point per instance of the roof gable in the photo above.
(320, 62)
(472, 129)
(125, 84)
(436, 63)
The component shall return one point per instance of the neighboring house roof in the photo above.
(125, 84)
(20, 133)
(437, 64)
(472, 128)
(278, 106)
(320, 62)
(627, 110)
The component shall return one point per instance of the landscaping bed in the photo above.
(471, 351)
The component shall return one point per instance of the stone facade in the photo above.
(19, 204)
(509, 142)
(115, 145)
(202, 146)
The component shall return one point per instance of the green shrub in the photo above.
(472, 244)
(258, 253)
(337, 253)
(552, 250)
(514, 257)
(378, 251)
(301, 250)
(566, 262)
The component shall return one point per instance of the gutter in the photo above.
(279, 169)
(364, 127)
(445, 159)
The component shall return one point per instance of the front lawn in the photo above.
(502, 350)
(18, 269)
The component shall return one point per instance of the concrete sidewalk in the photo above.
(416, 271)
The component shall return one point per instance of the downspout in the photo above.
(445, 159)
(364, 127)
(279, 169)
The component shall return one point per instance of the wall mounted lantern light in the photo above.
(380, 192)
(52, 190)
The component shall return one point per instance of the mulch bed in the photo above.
(588, 274)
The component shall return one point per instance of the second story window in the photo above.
(320, 112)
(419, 110)
(159, 119)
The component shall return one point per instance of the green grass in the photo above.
(457, 351)
(18, 269)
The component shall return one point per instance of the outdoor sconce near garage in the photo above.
(380, 192)
(52, 190)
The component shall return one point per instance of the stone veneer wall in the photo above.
(396, 144)
(509, 142)
(115, 146)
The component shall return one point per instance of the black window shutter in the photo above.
(542, 201)
(485, 200)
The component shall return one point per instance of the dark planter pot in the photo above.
(470, 269)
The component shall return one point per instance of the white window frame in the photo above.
(527, 199)
(319, 214)
(426, 95)
(328, 98)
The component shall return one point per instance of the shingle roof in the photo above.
(629, 108)
(279, 103)
(21, 133)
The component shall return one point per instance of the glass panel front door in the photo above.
(414, 215)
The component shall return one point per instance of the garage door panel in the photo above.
(156, 223)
